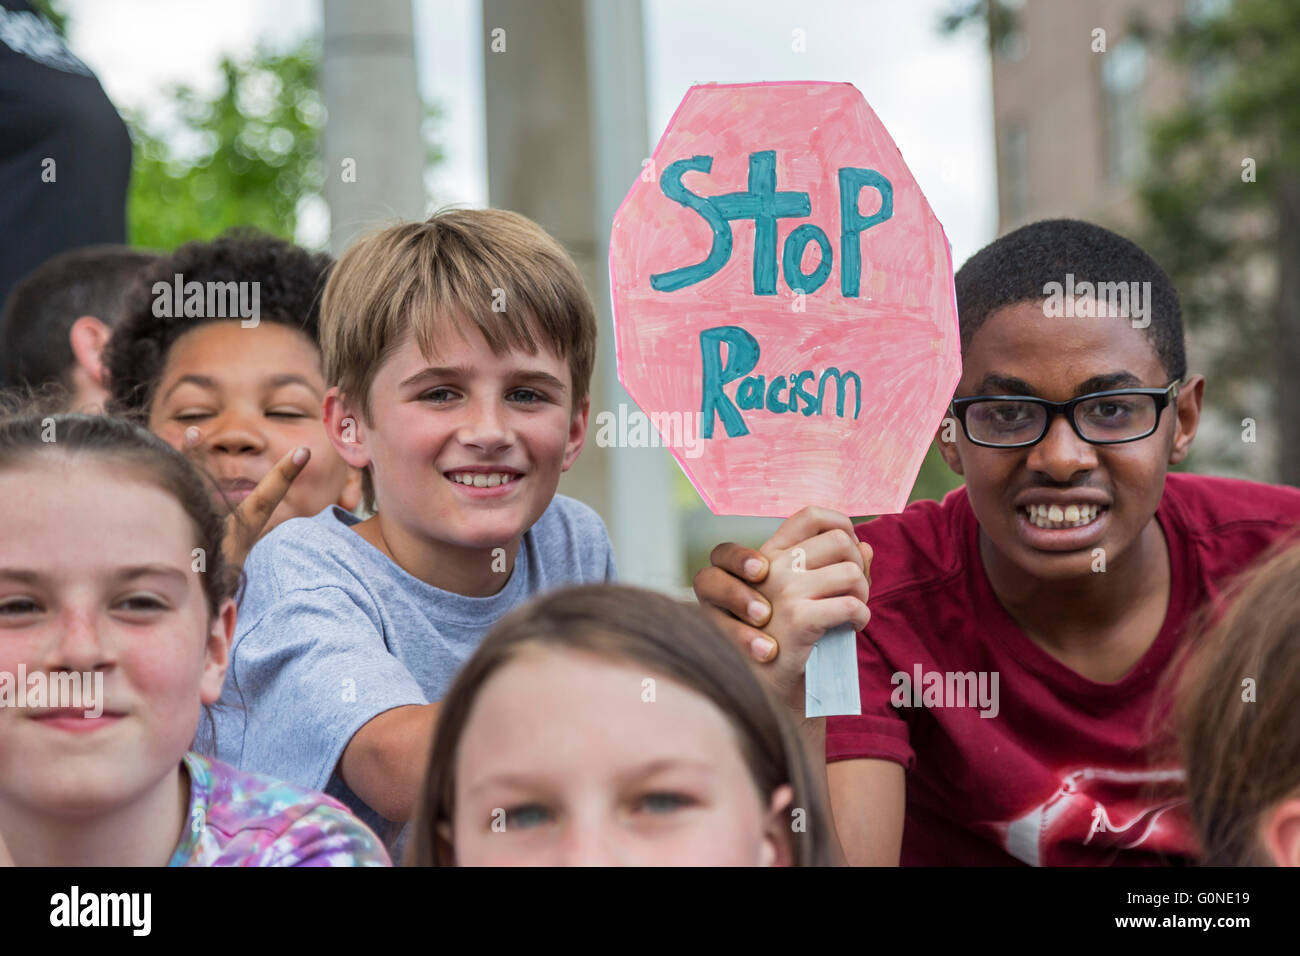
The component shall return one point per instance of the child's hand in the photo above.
(809, 577)
(5, 858)
(244, 525)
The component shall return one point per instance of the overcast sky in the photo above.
(931, 91)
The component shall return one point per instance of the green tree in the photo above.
(1223, 201)
(247, 155)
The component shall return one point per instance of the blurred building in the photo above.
(1070, 106)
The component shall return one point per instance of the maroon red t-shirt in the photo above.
(1059, 772)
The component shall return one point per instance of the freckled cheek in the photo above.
(545, 443)
(15, 651)
(167, 685)
(731, 836)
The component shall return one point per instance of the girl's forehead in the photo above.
(55, 497)
(614, 706)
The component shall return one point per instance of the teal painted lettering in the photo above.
(841, 383)
(853, 223)
(671, 184)
(774, 403)
(742, 356)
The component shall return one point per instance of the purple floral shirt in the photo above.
(245, 819)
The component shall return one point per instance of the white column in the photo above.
(643, 513)
(566, 132)
(373, 150)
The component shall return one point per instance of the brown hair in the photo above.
(27, 432)
(618, 622)
(489, 269)
(41, 310)
(1242, 752)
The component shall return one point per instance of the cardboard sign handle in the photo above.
(831, 675)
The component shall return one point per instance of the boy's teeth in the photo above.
(1054, 516)
(480, 480)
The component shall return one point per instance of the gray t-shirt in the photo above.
(332, 633)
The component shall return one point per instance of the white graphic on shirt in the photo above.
(32, 36)
(1126, 820)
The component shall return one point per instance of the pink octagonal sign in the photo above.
(783, 301)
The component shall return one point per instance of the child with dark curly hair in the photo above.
(217, 353)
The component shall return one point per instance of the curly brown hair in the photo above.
(290, 281)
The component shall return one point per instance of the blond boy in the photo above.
(459, 352)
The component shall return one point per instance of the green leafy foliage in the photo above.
(248, 155)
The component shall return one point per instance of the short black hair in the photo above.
(1017, 268)
(290, 280)
(92, 280)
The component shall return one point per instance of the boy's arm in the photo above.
(384, 762)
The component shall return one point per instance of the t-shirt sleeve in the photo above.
(611, 572)
(309, 673)
(880, 732)
(328, 836)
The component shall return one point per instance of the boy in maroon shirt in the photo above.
(1019, 629)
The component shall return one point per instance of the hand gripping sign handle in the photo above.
(831, 675)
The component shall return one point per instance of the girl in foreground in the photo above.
(607, 725)
(1239, 720)
(111, 568)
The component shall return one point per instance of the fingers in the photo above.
(812, 619)
(192, 446)
(745, 563)
(827, 548)
(256, 509)
(245, 524)
(750, 641)
(804, 524)
(845, 578)
(720, 589)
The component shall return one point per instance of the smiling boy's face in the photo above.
(466, 447)
(1020, 350)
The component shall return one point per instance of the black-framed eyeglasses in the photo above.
(1102, 418)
